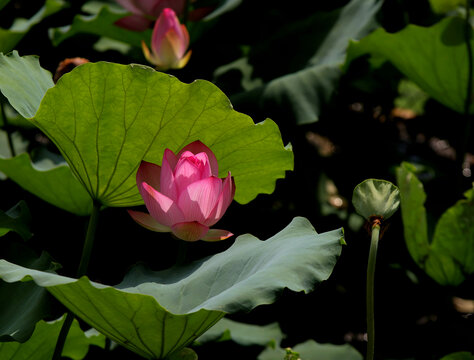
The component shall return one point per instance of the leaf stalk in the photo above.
(81, 271)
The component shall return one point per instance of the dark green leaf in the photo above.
(43, 341)
(183, 354)
(187, 301)
(100, 21)
(449, 257)
(435, 57)
(459, 356)
(10, 37)
(3, 3)
(243, 334)
(51, 182)
(311, 350)
(22, 305)
(306, 90)
(17, 219)
(444, 6)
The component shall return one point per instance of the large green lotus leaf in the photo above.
(311, 350)
(433, 57)
(105, 118)
(22, 305)
(16, 219)
(156, 313)
(54, 183)
(243, 334)
(10, 37)
(305, 91)
(43, 341)
(99, 21)
(23, 82)
(448, 257)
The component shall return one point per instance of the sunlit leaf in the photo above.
(43, 341)
(454, 235)
(105, 118)
(410, 97)
(311, 350)
(412, 200)
(16, 219)
(243, 334)
(10, 37)
(23, 82)
(52, 182)
(157, 313)
(449, 257)
(435, 57)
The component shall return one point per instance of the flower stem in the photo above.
(81, 271)
(370, 291)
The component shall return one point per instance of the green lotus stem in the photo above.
(81, 271)
(89, 241)
(370, 291)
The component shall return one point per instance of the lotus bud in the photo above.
(169, 43)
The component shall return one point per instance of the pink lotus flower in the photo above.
(169, 42)
(184, 195)
(146, 11)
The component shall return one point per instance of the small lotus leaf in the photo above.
(374, 197)
(157, 313)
